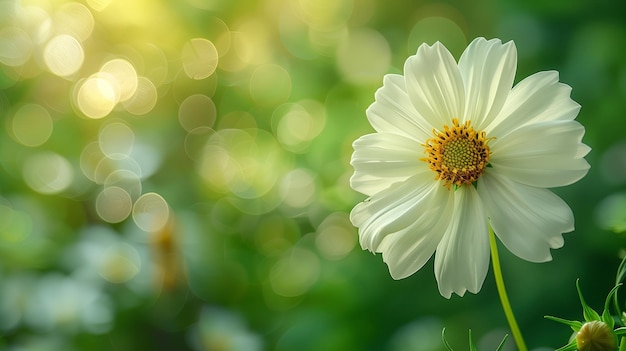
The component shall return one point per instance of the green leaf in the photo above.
(588, 312)
(575, 325)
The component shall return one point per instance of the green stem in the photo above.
(506, 306)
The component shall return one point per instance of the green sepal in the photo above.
(569, 347)
(621, 273)
(620, 331)
(575, 325)
(588, 312)
(606, 314)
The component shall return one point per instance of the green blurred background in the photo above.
(174, 175)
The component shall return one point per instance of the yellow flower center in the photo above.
(458, 154)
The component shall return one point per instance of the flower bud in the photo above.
(595, 336)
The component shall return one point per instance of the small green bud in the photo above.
(595, 336)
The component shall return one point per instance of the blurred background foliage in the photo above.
(174, 174)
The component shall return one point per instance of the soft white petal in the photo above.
(382, 159)
(538, 98)
(545, 155)
(488, 70)
(528, 220)
(434, 84)
(462, 257)
(407, 250)
(393, 112)
(415, 202)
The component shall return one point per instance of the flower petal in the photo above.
(462, 257)
(545, 155)
(488, 70)
(407, 250)
(393, 112)
(415, 203)
(529, 221)
(382, 159)
(538, 98)
(434, 84)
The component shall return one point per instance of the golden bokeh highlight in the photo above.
(199, 58)
(124, 73)
(32, 125)
(64, 55)
(144, 99)
(97, 96)
(75, 19)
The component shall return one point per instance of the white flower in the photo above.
(457, 148)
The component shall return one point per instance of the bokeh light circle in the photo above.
(121, 262)
(197, 111)
(75, 19)
(64, 55)
(364, 56)
(144, 99)
(151, 212)
(270, 85)
(16, 46)
(200, 58)
(125, 74)
(113, 204)
(297, 188)
(116, 140)
(336, 236)
(125, 179)
(295, 273)
(244, 162)
(97, 96)
(32, 125)
(296, 125)
(435, 28)
(48, 173)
